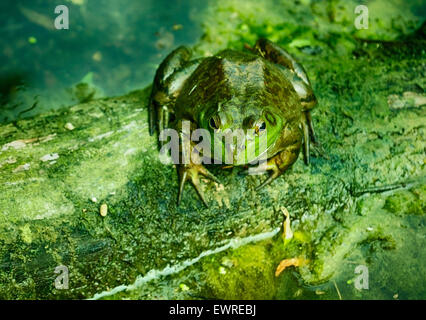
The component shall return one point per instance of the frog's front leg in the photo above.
(283, 159)
(190, 166)
(280, 163)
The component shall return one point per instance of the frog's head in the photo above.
(241, 132)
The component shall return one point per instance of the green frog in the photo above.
(263, 91)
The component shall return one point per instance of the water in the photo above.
(115, 46)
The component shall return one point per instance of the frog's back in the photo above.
(233, 74)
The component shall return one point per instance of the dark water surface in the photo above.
(114, 46)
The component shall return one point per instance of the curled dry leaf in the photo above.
(287, 234)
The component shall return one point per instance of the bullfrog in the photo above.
(263, 91)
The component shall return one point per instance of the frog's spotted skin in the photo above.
(263, 88)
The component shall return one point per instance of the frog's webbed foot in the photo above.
(192, 172)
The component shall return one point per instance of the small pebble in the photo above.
(69, 126)
(93, 199)
(103, 210)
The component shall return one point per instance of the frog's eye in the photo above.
(212, 123)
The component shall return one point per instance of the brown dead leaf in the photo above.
(297, 262)
(287, 233)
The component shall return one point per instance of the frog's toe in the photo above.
(193, 172)
(272, 177)
(183, 177)
(280, 162)
(206, 173)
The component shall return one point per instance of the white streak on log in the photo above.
(49, 157)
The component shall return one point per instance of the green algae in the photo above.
(362, 203)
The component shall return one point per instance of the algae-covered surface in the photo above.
(360, 203)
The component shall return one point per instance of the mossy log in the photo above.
(56, 172)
